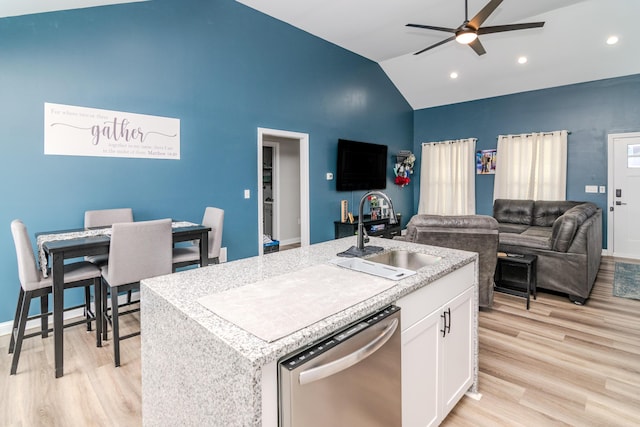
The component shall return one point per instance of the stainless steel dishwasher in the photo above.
(351, 378)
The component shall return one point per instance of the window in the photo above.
(447, 178)
(633, 156)
(532, 166)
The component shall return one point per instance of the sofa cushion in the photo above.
(545, 212)
(524, 240)
(534, 231)
(512, 228)
(513, 211)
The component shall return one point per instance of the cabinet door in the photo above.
(420, 372)
(456, 350)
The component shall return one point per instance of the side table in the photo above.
(516, 275)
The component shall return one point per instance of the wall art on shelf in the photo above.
(486, 162)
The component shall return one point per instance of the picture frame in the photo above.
(486, 162)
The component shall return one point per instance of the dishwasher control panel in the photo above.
(293, 361)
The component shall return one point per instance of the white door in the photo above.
(624, 195)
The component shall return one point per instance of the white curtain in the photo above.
(447, 178)
(532, 166)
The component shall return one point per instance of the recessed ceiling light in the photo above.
(522, 60)
(453, 75)
(612, 40)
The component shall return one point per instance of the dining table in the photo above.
(54, 247)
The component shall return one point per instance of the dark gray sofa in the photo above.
(474, 233)
(565, 235)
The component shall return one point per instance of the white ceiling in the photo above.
(570, 48)
(26, 7)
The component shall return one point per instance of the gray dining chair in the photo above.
(138, 250)
(34, 285)
(190, 255)
(105, 218)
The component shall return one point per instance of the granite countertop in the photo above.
(183, 290)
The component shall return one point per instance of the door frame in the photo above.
(275, 190)
(610, 185)
(303, 140)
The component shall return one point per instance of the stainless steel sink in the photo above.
(405, 259)
(377, 269)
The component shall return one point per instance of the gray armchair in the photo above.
(473, 233)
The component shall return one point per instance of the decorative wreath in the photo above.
(403, 169)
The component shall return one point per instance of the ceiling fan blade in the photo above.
(477, 47)
(431, 27)
(436, 45)
(512, 27)
(482, 16)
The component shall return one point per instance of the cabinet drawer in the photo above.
(428, 298)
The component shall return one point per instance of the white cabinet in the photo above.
(420, 360)
(437, 347)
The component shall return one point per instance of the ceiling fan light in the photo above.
(466, 36)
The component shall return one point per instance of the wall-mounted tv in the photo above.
(361, 166)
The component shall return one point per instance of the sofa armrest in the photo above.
(565, 227)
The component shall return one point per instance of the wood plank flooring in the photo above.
(556, 364)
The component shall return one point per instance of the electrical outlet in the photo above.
(329, 176)
(603, 189)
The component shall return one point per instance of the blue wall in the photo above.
(221, 68)
(590, 111)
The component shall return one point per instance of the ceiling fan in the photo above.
(468, 32)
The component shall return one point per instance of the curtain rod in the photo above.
(450, 141)
(529, 134)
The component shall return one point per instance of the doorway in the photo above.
(623, 232)
(283, 187)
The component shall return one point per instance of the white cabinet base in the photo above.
(439, 354)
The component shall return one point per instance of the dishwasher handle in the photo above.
(328, 369)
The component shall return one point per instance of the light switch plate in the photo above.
(590, 188)
(247, 194)
(603, 189)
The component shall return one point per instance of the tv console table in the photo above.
(374, 227)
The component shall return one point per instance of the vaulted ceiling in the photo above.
(570, 48)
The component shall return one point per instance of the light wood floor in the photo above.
(556, 364)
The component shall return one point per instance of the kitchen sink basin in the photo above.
(405, 259)
(374, 268)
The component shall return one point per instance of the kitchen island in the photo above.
(200, 369)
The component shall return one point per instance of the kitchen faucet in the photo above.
(360, 249)
(361, 230)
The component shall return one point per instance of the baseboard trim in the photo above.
(5, 327)
(293, 241)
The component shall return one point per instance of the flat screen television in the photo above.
(361, 166)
